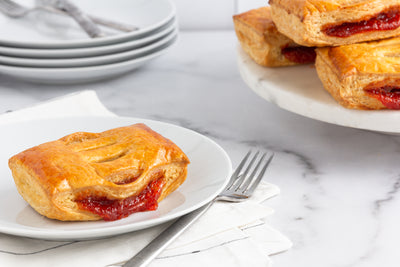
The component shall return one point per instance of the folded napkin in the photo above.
(229, 234)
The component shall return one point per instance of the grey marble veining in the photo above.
(340, 187)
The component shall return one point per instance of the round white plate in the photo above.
(82, 74)
(89, 51)
(299, 90)
(46, 30)
(208, 173)
(88, 61)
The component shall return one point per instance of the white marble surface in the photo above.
(339, 186)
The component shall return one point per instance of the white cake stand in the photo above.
(299, 90)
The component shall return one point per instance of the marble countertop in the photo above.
(339, 186)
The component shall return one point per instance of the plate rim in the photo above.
(89, 234)
(91, 73)
(91, 61)
(96, 41)
(89, 68)
(43, 53)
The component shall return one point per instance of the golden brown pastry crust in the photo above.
(260, 39)
(347, 72)
(115, 164)
(304, 21)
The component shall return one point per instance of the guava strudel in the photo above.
(261, 40)
(93, 176)
(362, 76)
(336, 22)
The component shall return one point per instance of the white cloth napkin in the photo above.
(227, 235)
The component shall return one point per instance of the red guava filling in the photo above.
(384, 21)
(115, 209)
(387, 95)
(299, 54)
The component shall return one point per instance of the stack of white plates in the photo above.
(52, 48)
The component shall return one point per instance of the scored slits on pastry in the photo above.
(82, 141)
(124, 176)
(113, 158)
(122, 170)
(99, 149)
(105, 153)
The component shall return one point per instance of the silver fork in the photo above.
(240, 187)
(15, 10)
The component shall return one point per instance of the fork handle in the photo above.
(98, 20)
(155, 247)
(113, 24)
(81, 18)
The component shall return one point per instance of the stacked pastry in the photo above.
(355, 41)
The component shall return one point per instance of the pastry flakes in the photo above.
(362, 76)
(261, 40)
(93, 176)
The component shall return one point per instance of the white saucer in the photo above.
(208, 173)
(82, 74)
(89, 51)
(299, 90)
(44, 30)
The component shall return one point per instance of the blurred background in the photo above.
(212, 15)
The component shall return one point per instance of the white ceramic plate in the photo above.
(89, 51)
(208, 173)
(299, 90)
(88, 61)
(82, 74)
(46, 30)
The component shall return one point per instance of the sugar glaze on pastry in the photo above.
(93, 176)
(261, 40)
(336, 22)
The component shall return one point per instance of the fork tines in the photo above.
(245, 182)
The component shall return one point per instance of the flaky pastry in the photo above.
(261, 40)
(336, 22)
(93, 176)
(362, 76)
